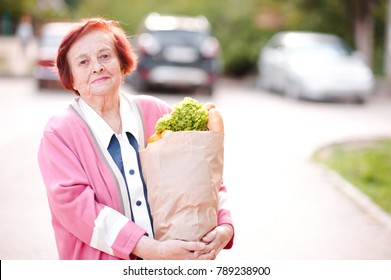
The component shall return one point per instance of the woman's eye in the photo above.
(83, 62)
(105, 56)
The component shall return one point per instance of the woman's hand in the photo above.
(215, 241)
(150, 249)
(179, 250)
(212, 243)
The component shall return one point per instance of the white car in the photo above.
(313, 66)
(50, 38)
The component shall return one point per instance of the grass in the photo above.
(367, 165)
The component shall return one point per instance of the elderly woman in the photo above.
(89, 157)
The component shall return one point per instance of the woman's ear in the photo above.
(123, 76)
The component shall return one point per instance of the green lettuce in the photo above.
(188, 114)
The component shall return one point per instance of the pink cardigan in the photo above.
(80, 184)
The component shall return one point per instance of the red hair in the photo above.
(127, 58)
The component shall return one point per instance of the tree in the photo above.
(237, 26)
(361, 14)
(10, 11)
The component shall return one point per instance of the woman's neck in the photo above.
(108, 107)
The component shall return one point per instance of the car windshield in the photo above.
(179, 37)
(321, 49)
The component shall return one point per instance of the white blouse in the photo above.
(136, 200)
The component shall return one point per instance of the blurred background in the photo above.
(241, 27)
(290, 77)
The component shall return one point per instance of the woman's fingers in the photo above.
(209, 105)
(209, 236)
(193, 246)
(206, 256)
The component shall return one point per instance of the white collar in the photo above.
(102, 130)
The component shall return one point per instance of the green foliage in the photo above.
(72, 3)
(240, 43)
(17, 7)
(366, 166)
(234, 22)
(188, 114)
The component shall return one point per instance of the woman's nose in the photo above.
(97, 67)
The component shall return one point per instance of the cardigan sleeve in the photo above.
(74, 207)
(224, 214)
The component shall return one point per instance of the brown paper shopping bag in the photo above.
(183, 173)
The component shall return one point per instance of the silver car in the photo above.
(313, 66)
(50, 38)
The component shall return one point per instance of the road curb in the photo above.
(357, 196)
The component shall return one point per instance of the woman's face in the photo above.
(95, 66)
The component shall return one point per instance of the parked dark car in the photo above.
(176, 51)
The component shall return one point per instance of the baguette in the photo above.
(215, 120)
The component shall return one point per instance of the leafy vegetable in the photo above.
(188, 114)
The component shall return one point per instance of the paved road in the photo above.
(284, 206)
